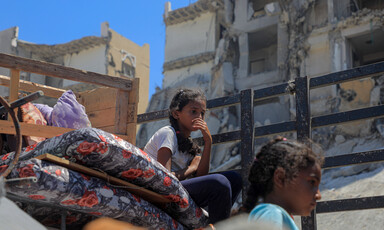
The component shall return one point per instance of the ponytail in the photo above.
(185, 144)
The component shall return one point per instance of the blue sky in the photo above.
(60, 21)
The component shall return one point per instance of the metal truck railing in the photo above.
(303, 126)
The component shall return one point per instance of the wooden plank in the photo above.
(102, 118)
(110, 129)
(31, 87)
(133, 101)
(121, 112)
(55, 70)
(14, 85)
(7, 127)
(14, 89)
(132, 188)
(97, 99)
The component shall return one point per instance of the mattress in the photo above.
(110, 154)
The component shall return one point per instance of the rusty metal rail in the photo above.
(303, 126)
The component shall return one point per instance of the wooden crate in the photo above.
(112, 108)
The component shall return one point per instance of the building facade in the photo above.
(225, 46)
(110, 54)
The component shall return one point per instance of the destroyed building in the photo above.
(225, 46)
(110, 54)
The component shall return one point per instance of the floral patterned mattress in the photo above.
(108, 153)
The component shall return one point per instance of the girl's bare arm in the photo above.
(164, 157)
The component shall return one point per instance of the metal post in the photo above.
(247, 136)
(303, 119)
(303, 127)
(63, 220)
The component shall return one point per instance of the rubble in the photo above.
(259, 46)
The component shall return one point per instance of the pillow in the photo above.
(46, 110)
(68, 113)
(31, 115)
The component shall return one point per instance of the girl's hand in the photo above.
(201, 125)
(195, 163)
(190, 171)
(203, 168)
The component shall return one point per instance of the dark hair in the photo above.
(181, 99)
(290, 155)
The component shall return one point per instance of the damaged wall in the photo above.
(125, 58)
(353, 95)
(264, 43)
(90, 59)
(358, 44)
(199, 74)
(200, 35)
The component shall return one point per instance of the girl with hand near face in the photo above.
(176, 151)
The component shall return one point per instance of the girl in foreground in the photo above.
(284, 181)
(175, 150)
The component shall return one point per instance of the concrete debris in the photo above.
(380, 127)
(228, 6)
(250, 10)
(272, 8)
(267, 122)
(234, 161)
(339, 139)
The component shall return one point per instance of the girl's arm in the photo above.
(164, 157)
(189, 171)
(203, 167)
